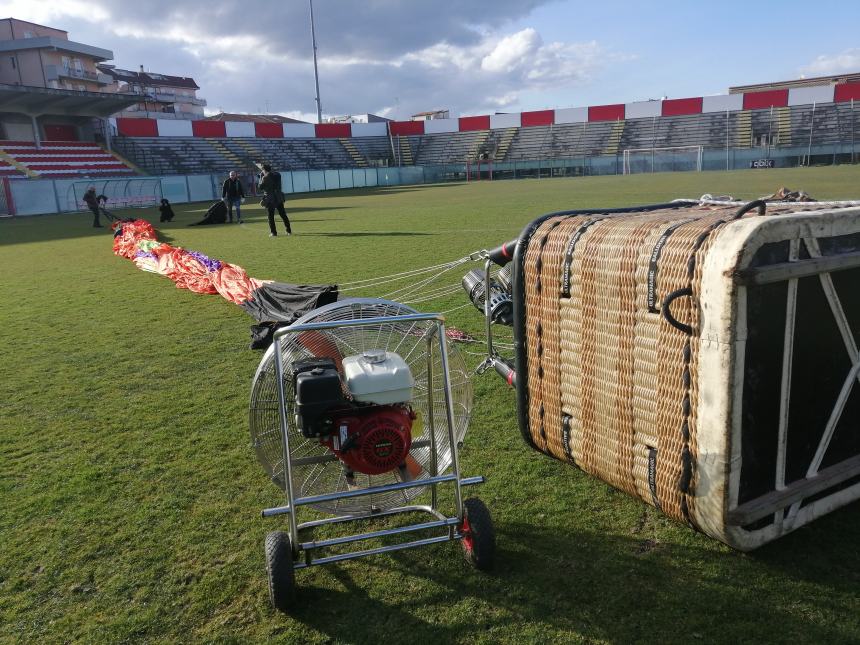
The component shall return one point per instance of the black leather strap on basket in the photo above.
(746, 208)
(519, 297)
(503, 253)
(667, 312)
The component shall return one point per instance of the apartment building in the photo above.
(161, 96)
(37, 56)
(429, 116)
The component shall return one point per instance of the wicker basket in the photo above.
(700, 357)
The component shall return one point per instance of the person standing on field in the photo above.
(270, 184)
(233, 193)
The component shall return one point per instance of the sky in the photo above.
(395, 58)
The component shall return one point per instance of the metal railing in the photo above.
(81, 73)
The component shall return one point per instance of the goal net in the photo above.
(670, 159)
(139, 192)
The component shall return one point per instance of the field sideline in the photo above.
(131, 496)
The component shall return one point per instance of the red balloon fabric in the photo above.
(138, 240)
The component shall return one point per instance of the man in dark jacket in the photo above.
(270, 184)
(92, 202)
(233, 193)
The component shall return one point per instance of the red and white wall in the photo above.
(614, 112)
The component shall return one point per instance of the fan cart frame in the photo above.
(453, 526)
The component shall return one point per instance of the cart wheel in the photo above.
(479, 537)
(279, 570)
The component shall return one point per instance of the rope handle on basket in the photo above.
(667, 313)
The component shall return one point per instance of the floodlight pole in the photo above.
(316, 71)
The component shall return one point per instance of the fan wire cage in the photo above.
(315, 469)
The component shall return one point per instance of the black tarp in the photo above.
(286, 303)
(217, 214)
(277, 305)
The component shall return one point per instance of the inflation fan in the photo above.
(356, 410)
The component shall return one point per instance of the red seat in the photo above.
(64, 159)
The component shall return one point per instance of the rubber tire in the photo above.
(279, 570)
(483, 552)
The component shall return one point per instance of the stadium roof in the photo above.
(852, 77)
(254, 118)
(41, 100)
(150, 79)
(431, 112)
(56, 44)
(35, 24)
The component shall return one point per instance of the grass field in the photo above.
(131, 496)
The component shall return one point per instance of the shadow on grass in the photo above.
(367, 191)
(366, 234)
(312, 209)
(393, 190)
(308, 219)
(595, 586)
(67, 226)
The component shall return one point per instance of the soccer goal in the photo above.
(138, 192)
(479, 169)
(669, 159)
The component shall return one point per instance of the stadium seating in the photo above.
(449, 147)
(560, 141)
(10, 170)
(186, 155)
(826, 124)
(61, 159)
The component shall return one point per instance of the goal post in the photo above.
(478, 169)
(665, 159)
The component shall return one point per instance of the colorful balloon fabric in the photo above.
(265, 300)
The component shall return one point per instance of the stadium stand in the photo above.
(449, 147)
(561, 141)
(9, 169)
(829, 124)
(796, 119)
(187, 155)
(60, 159)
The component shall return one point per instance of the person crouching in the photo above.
(166, 211)
(92, 201)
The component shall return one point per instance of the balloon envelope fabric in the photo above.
(265, 300)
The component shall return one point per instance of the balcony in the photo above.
(139, 111)
(155, 97)
(55, 72)
(169, 96)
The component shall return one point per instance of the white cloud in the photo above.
(440, 56)
(512, 51)
(495, 72)
(503, 101)
(847, 61)
(394, 58)
(47, 13)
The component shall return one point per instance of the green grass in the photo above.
(130, 497)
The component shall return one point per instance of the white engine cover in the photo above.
(378, 376)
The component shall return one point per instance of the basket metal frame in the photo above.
(450, 524)
(792, 495)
